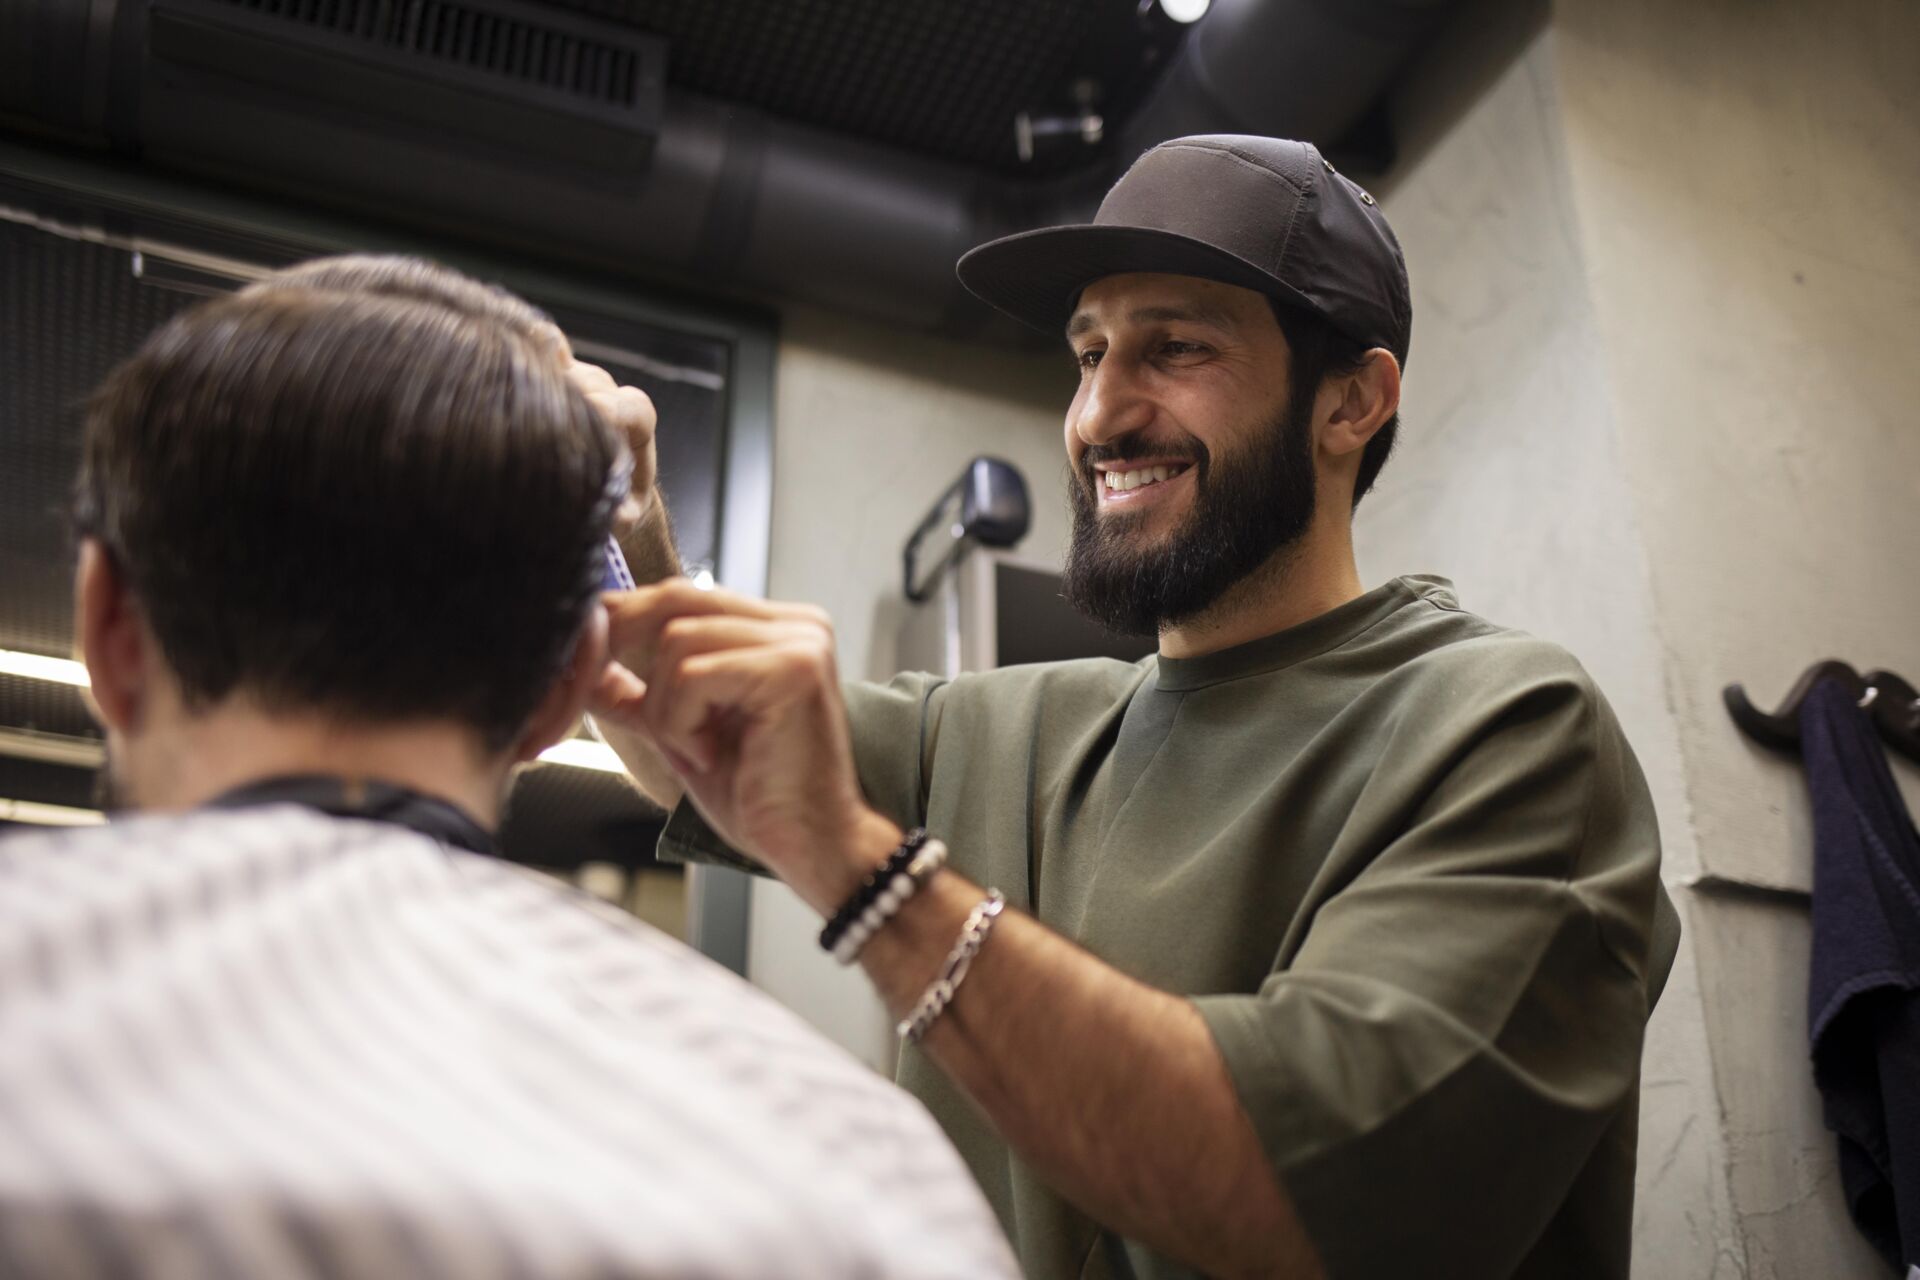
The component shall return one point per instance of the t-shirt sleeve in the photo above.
(1433, 1066)
(892, 728)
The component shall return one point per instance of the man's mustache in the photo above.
(1138, 444)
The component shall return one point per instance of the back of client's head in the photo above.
(362, 487)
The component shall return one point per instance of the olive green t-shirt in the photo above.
(1404, 863)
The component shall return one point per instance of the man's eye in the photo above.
(1087, 359)
(1181, 348)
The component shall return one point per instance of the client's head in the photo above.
(350, 519)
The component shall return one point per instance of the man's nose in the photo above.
(1112, 405)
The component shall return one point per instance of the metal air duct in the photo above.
(480, 127)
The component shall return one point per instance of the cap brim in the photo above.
(1037, 276)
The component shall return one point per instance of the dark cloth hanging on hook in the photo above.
(1864, 994)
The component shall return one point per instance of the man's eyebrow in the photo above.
(1157, 315)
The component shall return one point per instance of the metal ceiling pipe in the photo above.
(730, 200)
(1288, 68)
(849, 224)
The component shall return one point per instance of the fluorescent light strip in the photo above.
(52, 748)
(577, 752)
(38, 666)
(49, 815)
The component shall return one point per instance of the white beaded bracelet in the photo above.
(973, 935)
(931, 857)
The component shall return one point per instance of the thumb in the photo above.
(618, 697)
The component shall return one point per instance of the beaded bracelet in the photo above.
(932, 857)
(870, 889)
(973, 935)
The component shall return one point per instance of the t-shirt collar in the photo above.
(1315, 636)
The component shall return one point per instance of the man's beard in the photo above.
(1245, 509)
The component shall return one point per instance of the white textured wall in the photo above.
(870, 425)
(1666, 282)
(1510, 480)
(1508, 476)
(1747, 181)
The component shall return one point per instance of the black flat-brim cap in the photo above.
(1266, 214)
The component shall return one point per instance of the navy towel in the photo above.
(1864, 996)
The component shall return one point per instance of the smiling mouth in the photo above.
(1118, 485)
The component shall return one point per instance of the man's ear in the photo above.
(115, 644)
(566, 701)
(1356, 405)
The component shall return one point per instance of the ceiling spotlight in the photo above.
(1185, 10)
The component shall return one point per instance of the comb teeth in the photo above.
(619, 577)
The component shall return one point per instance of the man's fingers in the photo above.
(628, 515)
(791, 656)
(618, 696)
(692, 706)
(590, 378)
(636, 619)
(690, 634)
(629, 410)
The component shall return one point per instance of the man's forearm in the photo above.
(1112, 1090)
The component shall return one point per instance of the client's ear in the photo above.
(566, 701)
(115, 644)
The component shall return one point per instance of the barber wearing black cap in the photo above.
(1320, 942)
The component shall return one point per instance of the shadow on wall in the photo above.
(1452, 74)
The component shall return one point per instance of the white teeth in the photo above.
(1125, 480)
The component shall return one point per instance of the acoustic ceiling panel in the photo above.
(943, 77)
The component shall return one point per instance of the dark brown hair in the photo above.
(362, 486)
(1317, 351)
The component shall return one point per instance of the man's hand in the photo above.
(1113, 1091)
(742, 697)
(631, 413)
(645, 534)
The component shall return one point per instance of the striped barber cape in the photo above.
(268, 1042)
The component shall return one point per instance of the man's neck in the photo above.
(233, 746)
(1298, 584)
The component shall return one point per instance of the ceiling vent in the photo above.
(551, 89)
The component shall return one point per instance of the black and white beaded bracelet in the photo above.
(886, 905)
(882, 894)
